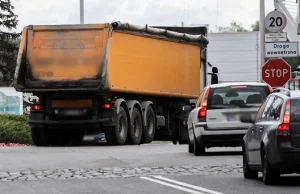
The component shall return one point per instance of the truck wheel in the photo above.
(39, 136)
(149, 130)
(116, 135)
(174, 126)
(136, 129)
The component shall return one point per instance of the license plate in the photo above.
(230, 117)
(72, 112)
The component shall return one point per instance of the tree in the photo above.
(9, 42)
(233, 27)
(255, 26)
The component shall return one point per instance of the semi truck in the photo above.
(133, 83)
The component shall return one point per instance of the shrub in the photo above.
(14, 129)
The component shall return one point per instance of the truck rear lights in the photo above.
(202, 111)
(107, 106)
(283, 130)
(36, 107)
(185, 122)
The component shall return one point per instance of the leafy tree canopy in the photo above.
(9, 42)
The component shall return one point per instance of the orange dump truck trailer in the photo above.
(130, 82)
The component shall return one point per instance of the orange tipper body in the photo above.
(116, 57)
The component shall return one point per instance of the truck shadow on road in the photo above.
(226, 153)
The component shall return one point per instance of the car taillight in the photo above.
(237, 87)
(270, 88)
(203, 109)
(36, 107)
(283, 130)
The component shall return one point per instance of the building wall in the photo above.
(11, 101)
(236, 55)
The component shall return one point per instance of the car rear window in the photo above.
(237, 96)
(295, 109)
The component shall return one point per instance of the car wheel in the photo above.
(191, 147)
(269, 175)
(248, 173)
(199, 149)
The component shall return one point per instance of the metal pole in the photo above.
(262, 33)
(81, 12)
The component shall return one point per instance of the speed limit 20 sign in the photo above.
(275, 21)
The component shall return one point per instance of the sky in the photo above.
(141, 12)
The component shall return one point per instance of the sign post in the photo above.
(276, 72)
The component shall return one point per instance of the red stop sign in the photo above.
(276, 72)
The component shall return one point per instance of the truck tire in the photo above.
(134, 135)
(150, 128)
(116, 135)
(39, 136)
(174, 126)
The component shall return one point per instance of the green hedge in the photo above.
(14, 129)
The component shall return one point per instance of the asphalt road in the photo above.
(154, 168)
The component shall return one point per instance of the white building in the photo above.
(236, 55)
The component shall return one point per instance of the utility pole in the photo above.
(81, 12)
(262, 34)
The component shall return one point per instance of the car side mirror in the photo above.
(215, 70)
(186, 108)
(247, 118)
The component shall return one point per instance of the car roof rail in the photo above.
(283, 91)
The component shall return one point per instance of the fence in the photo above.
(293, 85)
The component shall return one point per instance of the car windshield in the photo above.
(237, 96)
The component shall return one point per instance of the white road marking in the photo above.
(188, 185)
(172, 185)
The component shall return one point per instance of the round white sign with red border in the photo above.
(275, 21)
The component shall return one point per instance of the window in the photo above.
(275, 110)
(237, 96)
(295, 110)
(266, 112)
(260, 110)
